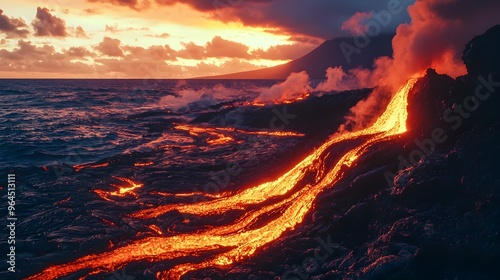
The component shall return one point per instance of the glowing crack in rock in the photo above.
(240, 239)
(127, 188)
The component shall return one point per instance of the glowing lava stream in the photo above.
(242, 238)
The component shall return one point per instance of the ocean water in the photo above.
(78, 148)
(45, 121)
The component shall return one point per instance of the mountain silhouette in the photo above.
(348, 52)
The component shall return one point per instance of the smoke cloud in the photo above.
(434, 38)
(355, 24)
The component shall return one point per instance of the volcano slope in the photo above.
(424, 206)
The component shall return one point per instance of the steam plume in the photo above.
(296, 85)
(435, 38)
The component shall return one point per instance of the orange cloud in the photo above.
(133, 4)
(219, 47)
(283, 52)
(162, 35)
(192, 51)
(80, 33)
(91, 11)
(116, 29)
(120, 62)
(110, 47)
(79, 52)
(30, 58)
(158, 53)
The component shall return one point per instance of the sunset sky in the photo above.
(166, 38)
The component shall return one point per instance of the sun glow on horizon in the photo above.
(190, 40)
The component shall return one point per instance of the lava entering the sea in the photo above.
(292, 196)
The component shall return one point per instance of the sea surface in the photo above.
(87, 152)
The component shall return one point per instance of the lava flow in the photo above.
(292, 195)
(214, 137)
(217, 135)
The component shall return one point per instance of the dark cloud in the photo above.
(12, 26)
(317, 18)
(110, 47)
(46, 24)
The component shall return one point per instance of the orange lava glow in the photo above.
(218, 135)
(127, 188)
(156, 229)
(289, 101)
(142, 164)
(256, 104)
(82, 166)
(293, 196)
(188, 194)
(276, 133)
(302, 97)
(214, 137)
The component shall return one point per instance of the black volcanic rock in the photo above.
(431, 97)
(314, 115)
(481, 56)
(482, 59)
(440, 102)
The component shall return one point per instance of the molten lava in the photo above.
(142, 164)
(219, 135)
(301, 97)
(214, 137)
(82, 166)
(292, 195)
(127, 188)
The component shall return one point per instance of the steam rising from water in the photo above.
(295, 86)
